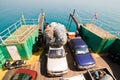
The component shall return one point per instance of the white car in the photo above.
(56, 61)
(78, 77)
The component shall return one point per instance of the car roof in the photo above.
(77, 41)
(27, 71)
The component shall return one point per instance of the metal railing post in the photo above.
(15, 26)
(21, 22)
(9, 31)
(1, 40)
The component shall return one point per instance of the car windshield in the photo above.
(82, 50)
(21, 76)
(56, 53)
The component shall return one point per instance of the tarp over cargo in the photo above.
(56, 34)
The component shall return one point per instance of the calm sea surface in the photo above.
(58, 10)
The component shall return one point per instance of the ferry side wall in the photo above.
(96, 43)
(115, 49)
(2, 60)
(25, 49)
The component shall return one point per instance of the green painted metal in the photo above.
(1, 66)
(106, 46)
(115, 47)
(2, 60)
(5, 51)
(96, 43)
(24, 49)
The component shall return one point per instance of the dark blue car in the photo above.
(84, 59)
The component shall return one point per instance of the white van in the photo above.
(78, 77)
(56, 61)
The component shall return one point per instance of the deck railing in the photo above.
(8, 31)
(100, 24)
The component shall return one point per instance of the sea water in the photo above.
(59, 10)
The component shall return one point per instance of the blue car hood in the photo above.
(84, 59)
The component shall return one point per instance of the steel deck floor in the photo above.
(38, 63)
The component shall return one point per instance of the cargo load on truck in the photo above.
(55, 34)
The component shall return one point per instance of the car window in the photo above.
(82, 50)
(21, 76)
(56, 53)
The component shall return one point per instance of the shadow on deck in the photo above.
(113, 66)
